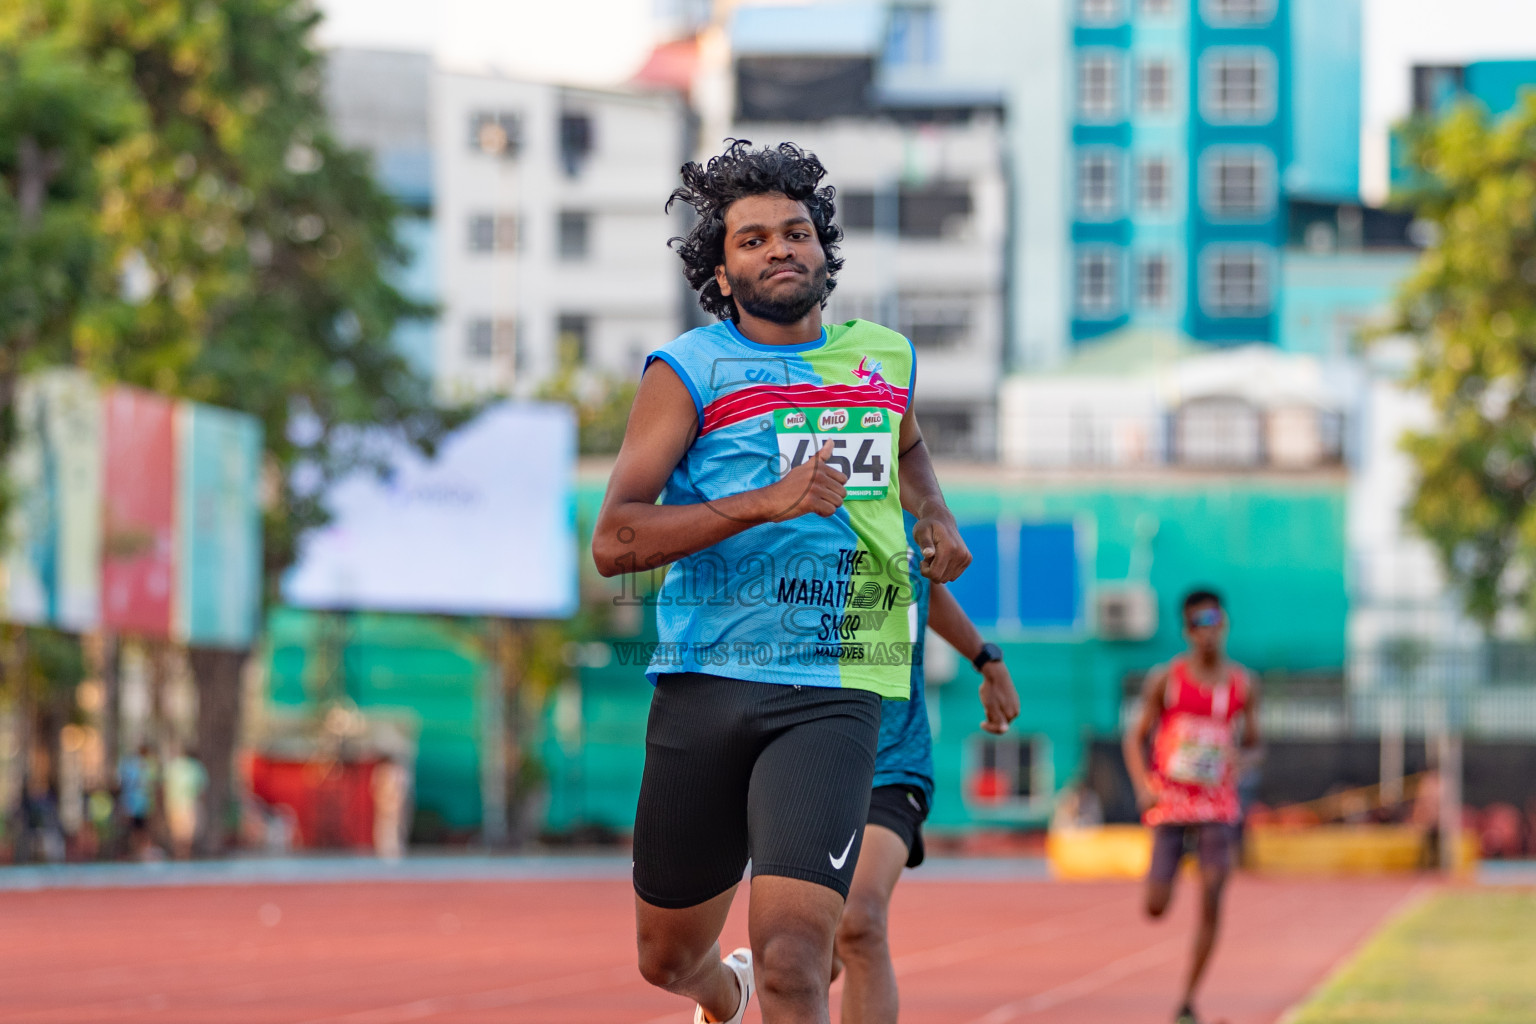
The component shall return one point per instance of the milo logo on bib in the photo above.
(861, 445)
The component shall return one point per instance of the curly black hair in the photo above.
(739, 172)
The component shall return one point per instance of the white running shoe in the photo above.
(739, 961)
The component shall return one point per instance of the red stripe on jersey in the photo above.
(754, 401)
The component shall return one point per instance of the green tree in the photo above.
(1471, 307)
(264, 250)
(240, 255)
(600, 401)
(58, 110)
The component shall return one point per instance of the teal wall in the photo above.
(1275, 548)
(1325, 88)
(1500, 84)
(1326, 297)
(427, 670)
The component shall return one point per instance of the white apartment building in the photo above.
(922, 196)
(923, 210)
(551, 236)
(534, 215)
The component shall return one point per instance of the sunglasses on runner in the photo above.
(1204, 617)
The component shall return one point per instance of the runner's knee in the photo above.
(862, 929)
(791, 968)
(667, 964)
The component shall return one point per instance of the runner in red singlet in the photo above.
(1189, 714)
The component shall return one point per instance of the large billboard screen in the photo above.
(487, 527)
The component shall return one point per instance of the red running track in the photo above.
(531, 952)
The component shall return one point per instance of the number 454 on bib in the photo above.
(861, 445)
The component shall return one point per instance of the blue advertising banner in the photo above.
(218, 595)
(50, 569)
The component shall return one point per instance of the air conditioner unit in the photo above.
(1125, 612)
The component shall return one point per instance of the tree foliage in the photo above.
(1471, 306)
(252, 255)
(58, 110)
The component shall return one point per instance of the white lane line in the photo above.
(1087, 984)
(1046, 930)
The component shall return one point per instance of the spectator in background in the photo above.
(137, 776)
(389, 794)
(185, 780)
(1426, 818)
(100, 809)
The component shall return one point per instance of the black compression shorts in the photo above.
(737, 770)
(1211, 842)
(902, 809)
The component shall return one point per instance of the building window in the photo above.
(1154, 184)
(1218, 431)
(575, 230)
(1238, 182)
(573, 337)
(1098, 87)
(857, 210)
(937, 210)
(1155, 85)
(934, 321)
(1156, 8)
(1099, 12)
(1235, 281)
(1238, 86)
(1238, 12)
(913, 38)
(1098, 283)
(492, 232)
(576, 142)
(1154, 281)
(491, 339)
(1098, 183)
(495, 133)
(950, 432)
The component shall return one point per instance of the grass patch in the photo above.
(1461, 957)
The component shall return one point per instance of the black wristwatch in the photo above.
(988, 652)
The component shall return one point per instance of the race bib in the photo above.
(861, 445)
(1201, 753)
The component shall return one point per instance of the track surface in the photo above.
(561, 952)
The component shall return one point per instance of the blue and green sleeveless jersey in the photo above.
(904, 756)
(810, 601)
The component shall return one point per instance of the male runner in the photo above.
(903, 794)
(783, 619)
(1189, 709)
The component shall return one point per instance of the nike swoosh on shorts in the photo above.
(838, 862)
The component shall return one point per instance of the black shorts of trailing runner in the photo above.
(1211, 842)
(736, 771)
(902, 809)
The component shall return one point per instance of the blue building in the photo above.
(378, 102)
(1193, 122)
(1497, 85)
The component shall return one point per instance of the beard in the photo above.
(751, 296)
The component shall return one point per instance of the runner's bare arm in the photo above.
(1251, 739)
(945, 555)
(1134, 744)
(634, 534)
(998, 696)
